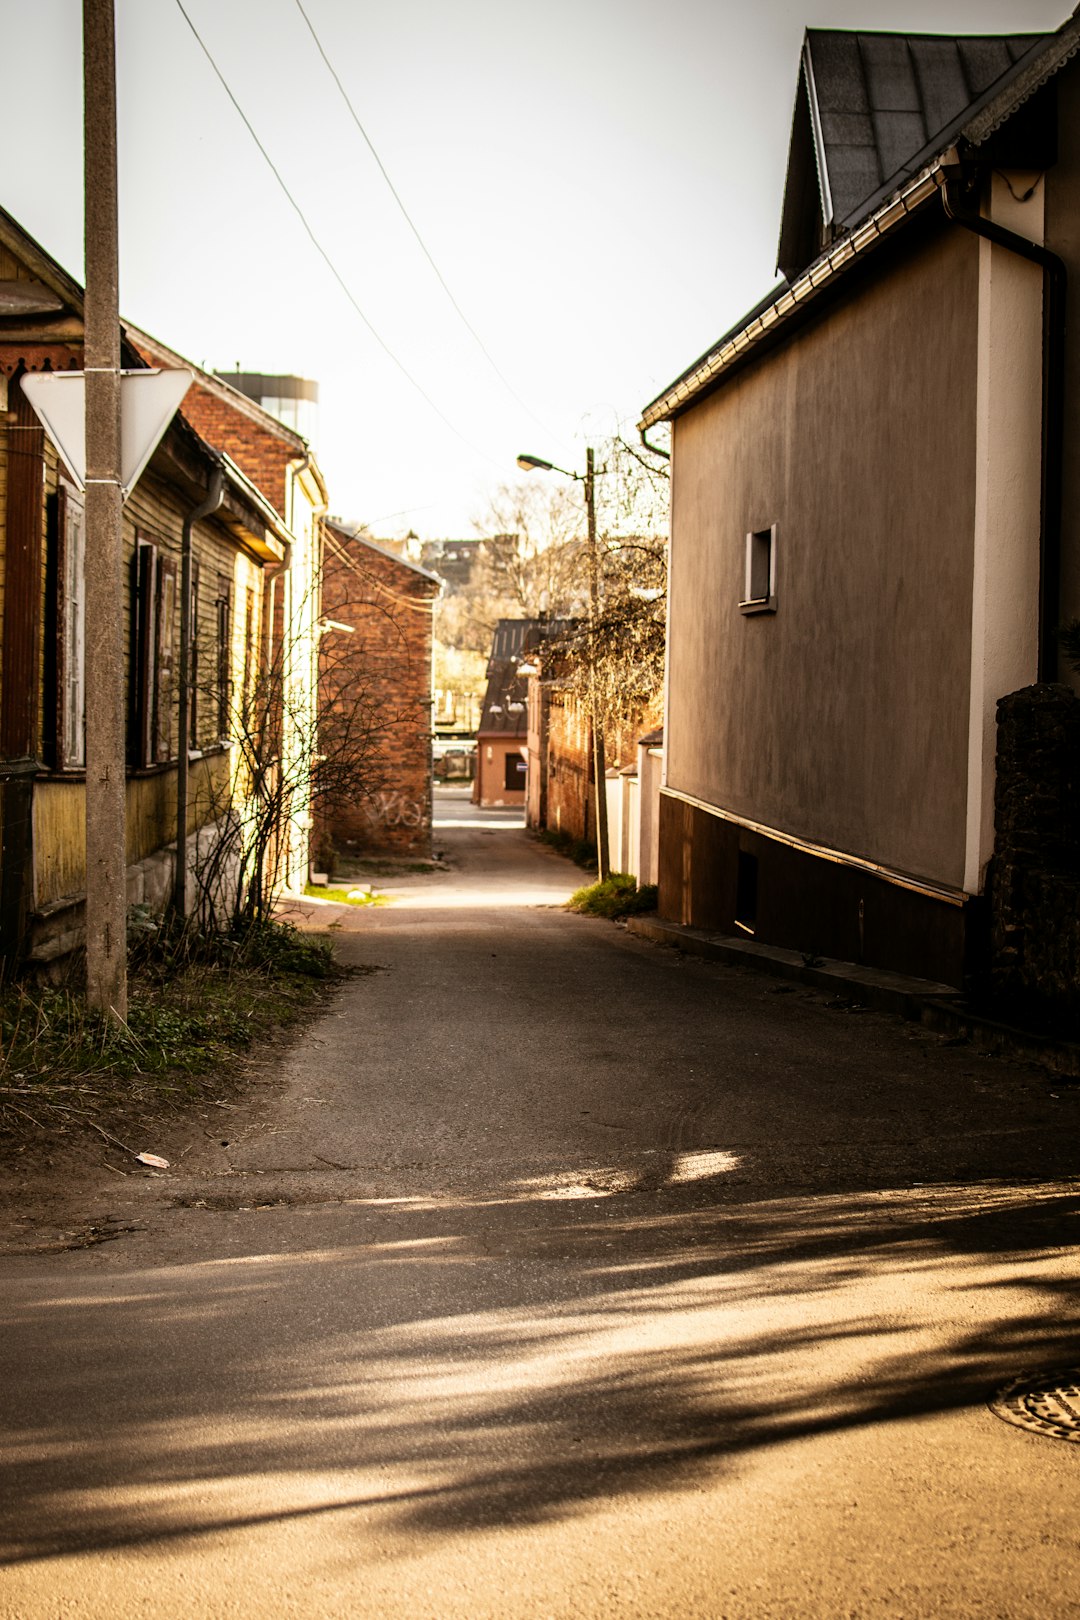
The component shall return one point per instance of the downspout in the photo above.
(1055, 286)
(654, 448)
(213, 500)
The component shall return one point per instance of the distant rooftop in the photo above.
(504, 707)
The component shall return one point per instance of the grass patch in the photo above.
(617, 896)
(578, 850)
(344, 897)
(194, 1009)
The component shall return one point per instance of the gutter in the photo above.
(1055, 287)
(812, 282)
(214, 497)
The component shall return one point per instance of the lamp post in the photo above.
(588, 480)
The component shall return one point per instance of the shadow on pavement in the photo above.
(583, 1347)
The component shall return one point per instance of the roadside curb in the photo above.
(939, 1007)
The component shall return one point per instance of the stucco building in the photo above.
(874, 533)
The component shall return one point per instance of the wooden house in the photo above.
(235, 549)
(281, 463)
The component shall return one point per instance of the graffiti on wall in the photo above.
(392, 809)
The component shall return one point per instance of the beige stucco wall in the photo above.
(842, 718)
(1062, 235)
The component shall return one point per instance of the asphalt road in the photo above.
(555, 1275)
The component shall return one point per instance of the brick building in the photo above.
(375, 674)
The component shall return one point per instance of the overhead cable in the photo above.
(354, 115)
(323, 254)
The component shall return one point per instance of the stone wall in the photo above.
(1035, 878)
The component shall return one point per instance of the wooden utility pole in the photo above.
(106, 896)
(603, 862)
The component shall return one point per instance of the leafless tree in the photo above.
(306, 727)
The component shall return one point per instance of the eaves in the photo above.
(792, 300)
(266, 536)
(982, 121)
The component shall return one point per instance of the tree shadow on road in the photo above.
(581, 1348)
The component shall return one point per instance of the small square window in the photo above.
(760, 584)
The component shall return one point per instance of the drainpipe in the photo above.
(213, 500)
(654, 448)
(1055, 284)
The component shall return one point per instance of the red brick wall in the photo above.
(384, 666)
(570, 805)
(259, 452)
(569, 799)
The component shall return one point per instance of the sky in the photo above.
(597, 181)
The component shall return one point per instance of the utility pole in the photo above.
(596, 708)
(603, 863)
(106, 884)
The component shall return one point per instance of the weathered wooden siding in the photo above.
(60, 825)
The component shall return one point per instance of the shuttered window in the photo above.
(65, 739)
(156, 639)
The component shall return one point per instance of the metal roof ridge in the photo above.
(1027, 78)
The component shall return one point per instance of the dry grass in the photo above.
(65, 1071)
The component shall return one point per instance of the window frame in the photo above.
(155, 635)
(223, 619)
(760, 559)
(64, 734)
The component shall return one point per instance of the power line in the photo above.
(323, 254)
(477, 339)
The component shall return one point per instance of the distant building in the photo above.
(502, 736)
(375, 672)
(453, 560)
(293, 400)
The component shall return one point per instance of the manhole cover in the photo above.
(1046, 1402)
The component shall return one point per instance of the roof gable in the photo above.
(39, 272)
(868, 108)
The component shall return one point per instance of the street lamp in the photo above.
(588, 480)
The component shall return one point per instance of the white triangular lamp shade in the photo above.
(149, 399)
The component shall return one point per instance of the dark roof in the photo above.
(504, 709)
(1011, 123)
(869, 110)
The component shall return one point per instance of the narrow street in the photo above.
(556, 1275)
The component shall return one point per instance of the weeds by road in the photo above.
(195, 1005)
(617, 896)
